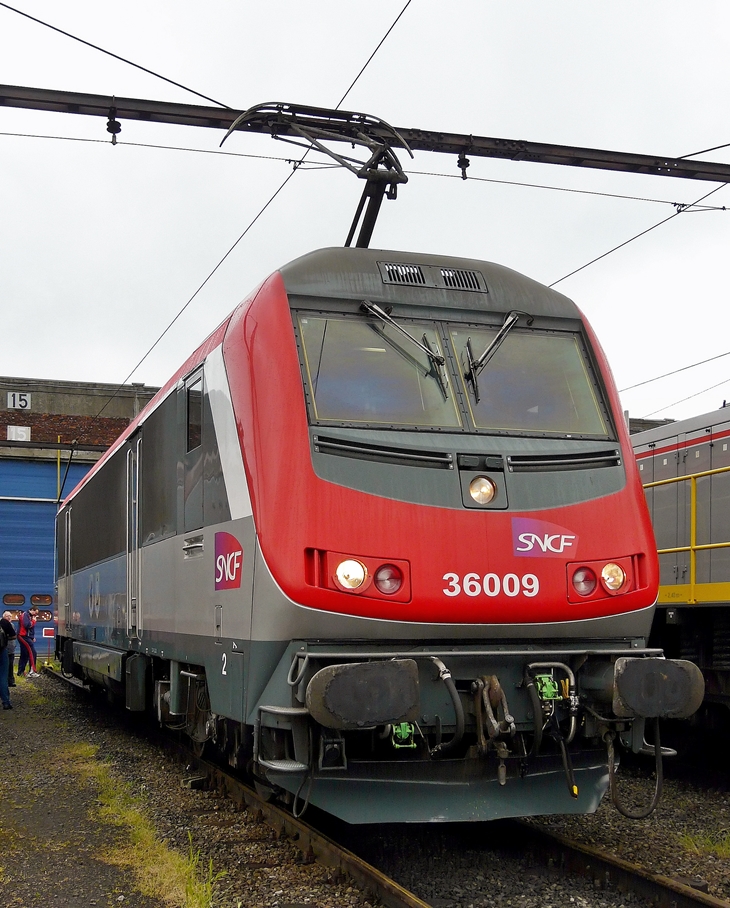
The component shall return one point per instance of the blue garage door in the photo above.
(28, 491)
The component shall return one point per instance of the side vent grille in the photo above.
(584, 460)
(437, 277)
(456, 279)
(404, 274)
(341, 447)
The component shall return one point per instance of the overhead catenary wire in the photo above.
(253, 221)
(598, 258)
(109, 53)
(329, 165)
(190, 300)
(648, 381)
(725, 381)
(369, 59)
(681, 208)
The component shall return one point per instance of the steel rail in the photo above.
(314, 845)
(547, 847)
(609, 871)
(115, 109)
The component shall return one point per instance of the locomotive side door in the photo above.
(133, 573)
(63, 565)
(193, 560)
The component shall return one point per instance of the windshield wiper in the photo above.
(437, 361)
(475, 366)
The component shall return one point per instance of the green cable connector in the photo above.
(402, 735)
(548, 688)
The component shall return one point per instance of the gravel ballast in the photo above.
(54, 843)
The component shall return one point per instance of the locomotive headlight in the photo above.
(482, 489)
(613, 577)
(351, 574)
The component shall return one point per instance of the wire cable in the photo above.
(694, 154)
(110, 54)
(638, 235)
(180, 312)
(685, 206)
(689, 397)
(250, 225)
(675, 372)
(593, 192)
(209, 151)
(369, 59)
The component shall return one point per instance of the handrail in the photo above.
(693, 548)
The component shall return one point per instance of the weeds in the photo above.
(160, 872)
(710, 843)
(200, 885)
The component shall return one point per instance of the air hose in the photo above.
(537, 715)
(625, 811)
(445, 676)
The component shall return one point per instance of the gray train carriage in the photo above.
(685, 469)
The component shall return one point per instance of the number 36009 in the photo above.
(491, 585)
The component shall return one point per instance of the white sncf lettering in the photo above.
(557, 542)
(228, 566)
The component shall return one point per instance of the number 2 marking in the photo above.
(224, 660)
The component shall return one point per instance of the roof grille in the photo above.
(438, 277)
(404, 274)
(384, 454)
(457, 279)
(583, 460)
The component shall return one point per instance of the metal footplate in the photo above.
(283, 765)
(286, 764)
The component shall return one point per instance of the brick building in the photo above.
(51, 433)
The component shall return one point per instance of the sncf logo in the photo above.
(228, 562)
(539, 539)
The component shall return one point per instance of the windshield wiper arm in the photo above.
(437, 361)
(380, 313)
(475, 366)
(436, 367)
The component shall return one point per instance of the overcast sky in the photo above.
(101, 246)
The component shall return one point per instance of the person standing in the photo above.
(26, 639)
(12, 641)
(8, 632)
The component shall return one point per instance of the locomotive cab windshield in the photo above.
(532, 381)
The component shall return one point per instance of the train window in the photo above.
(195, 414)
(536, 382)
(98, 519)
(38, 599)
(158, 479)
(44, 615)
(363, 371)
(13, 599)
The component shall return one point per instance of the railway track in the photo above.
(607, 871)
(603, 871)
(555, 853)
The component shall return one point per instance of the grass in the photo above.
(708, 843)
(160, 872)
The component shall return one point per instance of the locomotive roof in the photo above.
(352, 273)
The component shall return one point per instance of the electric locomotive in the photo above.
(381, 541)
